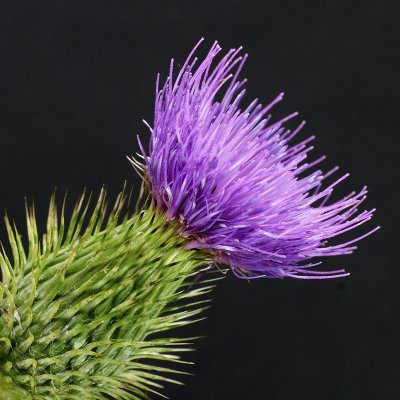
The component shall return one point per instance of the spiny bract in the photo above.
(84, 311)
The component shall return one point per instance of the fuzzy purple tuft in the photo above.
(233, 181)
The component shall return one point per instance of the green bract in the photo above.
(85, 310)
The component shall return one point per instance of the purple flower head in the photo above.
(233, 181)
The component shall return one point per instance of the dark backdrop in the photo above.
(76, 79)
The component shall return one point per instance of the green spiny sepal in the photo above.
(85, 311)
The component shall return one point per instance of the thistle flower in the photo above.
(87, 309)
(235, 183)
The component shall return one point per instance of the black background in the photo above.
(77, 77)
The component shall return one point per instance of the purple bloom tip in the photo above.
(231, 178)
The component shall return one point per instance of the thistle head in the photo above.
(236, 182)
